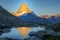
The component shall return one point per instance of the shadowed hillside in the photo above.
(7, 21)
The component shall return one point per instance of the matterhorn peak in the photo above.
(22, 10)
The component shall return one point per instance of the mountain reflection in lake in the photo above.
(24, 31)
(20, 32)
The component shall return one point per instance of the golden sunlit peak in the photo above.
(22, 9)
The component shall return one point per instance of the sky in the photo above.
(40, 7)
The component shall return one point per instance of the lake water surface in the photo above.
(21, 32)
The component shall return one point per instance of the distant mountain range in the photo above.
(28, 16)
(24, 16)
(32, 17)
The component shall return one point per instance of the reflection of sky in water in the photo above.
(15, 34)
(38, 29)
